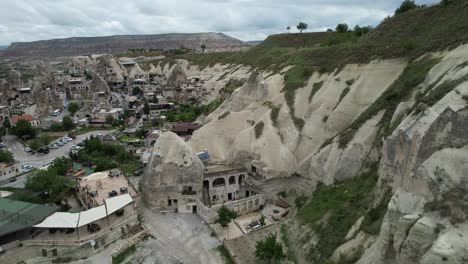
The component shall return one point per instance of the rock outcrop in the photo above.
(172, 167)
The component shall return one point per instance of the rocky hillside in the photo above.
(113, 44)
(375, 131)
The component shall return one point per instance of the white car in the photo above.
(54, 146)
(67, 139)
(60, 143)
(57, 112)
(27, 168)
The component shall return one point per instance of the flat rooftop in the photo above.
(214, 170)
(103, 184)
(17, 215)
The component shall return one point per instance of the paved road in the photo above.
(38, 161)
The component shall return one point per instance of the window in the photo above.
(250, 204)
(54, 252)
(219, 182)
(232, 180)
(256, 202)
(44, 253)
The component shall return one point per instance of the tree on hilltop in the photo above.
(342, 28)
(288, 28)
(406, 6)
(301, 26)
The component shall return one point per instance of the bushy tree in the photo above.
(301, 26)
(288, 28)
(110, 120)
(446, 2)
(203, 47)
(67, 123)
(55, 127)
(24, 130)
(49, 181)
(137, 91)
(61, 165)
(5, 155)
(146, 109)
(361, 31)
(73, 108)
(342, 28)
(269, 250)
(406, 6)
(225, 216)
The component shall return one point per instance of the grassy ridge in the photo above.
(333, 210)
(410, 35)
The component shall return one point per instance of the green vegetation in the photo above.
(64, 260)
(122, 256)
(47, 186)
(315, 88)
(24, 130)
(259, 129)
(300, 201)
(294, 79)
(44, 139)
(301, 26)
(374, 217)
(275, 109)
(429, 28)
(225, 216)
(73, 107)
(269, 250)
(66, 125)
(413, 75)
(189, 113)
(333, 210)
(225, 254)
(6, 156)
(406, 6)
(342, 96)
(434, 94)
(290, 253)
(103, 156)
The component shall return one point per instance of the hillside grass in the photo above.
(413, 75)
(334, 209)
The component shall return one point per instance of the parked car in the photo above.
(43, 150)
(2, 145)
(68, 139)
(60, 143)
(27, 149)
(54, 146)
(56, 112)
(27, 168)
(72, 135)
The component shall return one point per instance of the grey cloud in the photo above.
(29, 20)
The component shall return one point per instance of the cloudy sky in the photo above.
(29, 20)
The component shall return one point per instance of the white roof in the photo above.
(91, 215)
(60, 220)
(96, 176)
(74, 220)
(5, 194)
(118, 202)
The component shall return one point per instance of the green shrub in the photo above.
(225, 216)
(315, 88)
(413, 75)
(122, 256)
(259, 129)
(342, 204)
